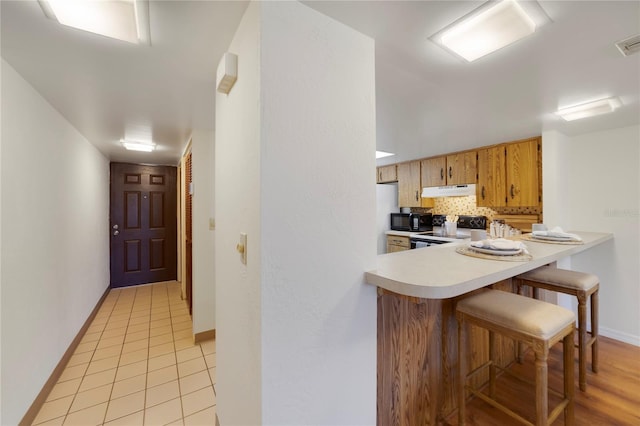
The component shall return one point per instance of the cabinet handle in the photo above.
(512, 194)
(450, 173)
(417, 197)
(380, 175)
(482, 192)
(441, 173)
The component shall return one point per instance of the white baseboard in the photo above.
(619, 335)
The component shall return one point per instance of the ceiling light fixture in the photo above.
(126, 20)
(490, 27)
(629, 46)
(382, 154)
(137, 146)
(589, 109)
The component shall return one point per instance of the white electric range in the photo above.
(437, 236)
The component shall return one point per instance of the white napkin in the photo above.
(557, 232)
(499, 244)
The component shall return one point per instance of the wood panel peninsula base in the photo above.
(417, 351)
(417, 340)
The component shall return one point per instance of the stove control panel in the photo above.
(472, 222)
(468, 222)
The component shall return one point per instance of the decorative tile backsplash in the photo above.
(462, 206)
(467, 206)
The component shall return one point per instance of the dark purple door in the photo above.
(143, 224)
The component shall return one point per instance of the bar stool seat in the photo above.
(527, 320)
(585, 287)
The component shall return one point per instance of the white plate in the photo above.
(551, 238)
(511, 252)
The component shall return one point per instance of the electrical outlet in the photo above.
(212, 224)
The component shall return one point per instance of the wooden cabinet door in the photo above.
(387, 174)
(434, 171)
(491, 186)
(523, 180)
(392, 249)
(409, 188)
(461, 168)
(397, 243)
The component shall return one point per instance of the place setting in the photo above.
(495, 249)
(540, 234)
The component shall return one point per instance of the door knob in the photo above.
(116, 232)
(115, 226)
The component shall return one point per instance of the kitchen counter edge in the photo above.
(401, 272)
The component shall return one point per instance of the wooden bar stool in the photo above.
(582, 285)
(531, 321)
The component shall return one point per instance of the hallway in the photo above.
(136, 365)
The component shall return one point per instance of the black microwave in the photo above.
(411, 222)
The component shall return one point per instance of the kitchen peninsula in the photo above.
(417, 329)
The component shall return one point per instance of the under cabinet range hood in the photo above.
(449, 191)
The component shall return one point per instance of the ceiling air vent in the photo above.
(629, 45)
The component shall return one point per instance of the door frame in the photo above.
(146, 180)
(182, 226)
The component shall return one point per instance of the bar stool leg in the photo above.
(594, 331)
(582, 340)
(462, 371)
(567, 364)
(519, 346)
(542, 397)
(492, 367)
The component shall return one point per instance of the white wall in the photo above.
(555, 178)
(555, 189)
(318, 144)
(604, 195)
(237, 205)
(591, 182)
(297, 324)
(203, 288)
(386, 202)
(55, 204)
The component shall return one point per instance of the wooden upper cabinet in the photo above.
(523, 177)
(387, 174)
(434, 171)
(461, 168)
(509, 175)
(490, 189)
(454, 169)
(409, 188)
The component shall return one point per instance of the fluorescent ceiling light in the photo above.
(382, 154)
(589, 109)
(490, 27)
(126, 20)
(137, 146)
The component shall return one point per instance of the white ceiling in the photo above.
(428, 102)
(110, 89)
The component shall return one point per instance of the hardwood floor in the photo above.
(612, 396)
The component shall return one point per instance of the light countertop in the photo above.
(404, 233)
(436, 231)
(439, 272)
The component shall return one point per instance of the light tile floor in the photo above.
(137, 365)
